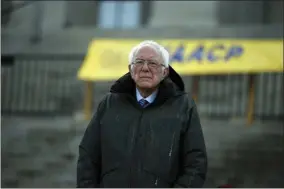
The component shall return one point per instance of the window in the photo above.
(119, 14)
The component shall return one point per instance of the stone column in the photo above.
(184, 13)
(81, 13)
(240, 12)
(37, 22)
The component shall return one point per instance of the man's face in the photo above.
(147, 70)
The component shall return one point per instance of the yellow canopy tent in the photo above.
(107, 59)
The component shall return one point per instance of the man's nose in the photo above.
(145, 66)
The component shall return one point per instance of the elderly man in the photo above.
(146, 132)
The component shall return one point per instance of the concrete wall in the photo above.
(56, 14)
(81, 13)
(276, 14)
(47, 20)
(22, 21)
(32, 22)
(184, 14)
(241, 12)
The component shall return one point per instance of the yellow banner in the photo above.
(107, 59)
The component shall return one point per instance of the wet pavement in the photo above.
(42, 152)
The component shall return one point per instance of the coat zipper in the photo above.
(135, 130)
(156, 182)
(172, 144)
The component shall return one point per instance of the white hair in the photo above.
(159, 48)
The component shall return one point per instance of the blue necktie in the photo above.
(144, 103)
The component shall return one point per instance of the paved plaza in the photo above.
(42, 152)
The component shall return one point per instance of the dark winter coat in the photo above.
(127, 146)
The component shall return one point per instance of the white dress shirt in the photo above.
(150, 98)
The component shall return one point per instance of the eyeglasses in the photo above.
(151, 64)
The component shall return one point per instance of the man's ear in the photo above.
(130, 69)
(165, 72)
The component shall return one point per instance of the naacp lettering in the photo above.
(205, 53)
(106, 58)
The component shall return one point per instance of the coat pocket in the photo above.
(156, 180)
(161, 150)
(109, 171)
(114, 177)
